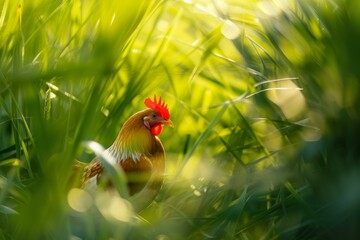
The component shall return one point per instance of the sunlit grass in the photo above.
(263, 95)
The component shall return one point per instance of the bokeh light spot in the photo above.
(79, 200)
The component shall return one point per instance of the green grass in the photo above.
(264, 96)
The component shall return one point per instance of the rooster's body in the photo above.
(138, 151)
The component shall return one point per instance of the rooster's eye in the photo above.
(154, 116)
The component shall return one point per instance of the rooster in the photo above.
(138, 151)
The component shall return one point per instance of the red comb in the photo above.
(159, 106)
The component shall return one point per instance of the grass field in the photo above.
(264, 95)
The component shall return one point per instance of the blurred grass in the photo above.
(264, 96)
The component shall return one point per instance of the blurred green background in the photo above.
(264, 95)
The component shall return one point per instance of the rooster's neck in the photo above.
(134, 139)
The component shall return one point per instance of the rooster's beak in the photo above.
(167, 122)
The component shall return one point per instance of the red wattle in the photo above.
(156, 130)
